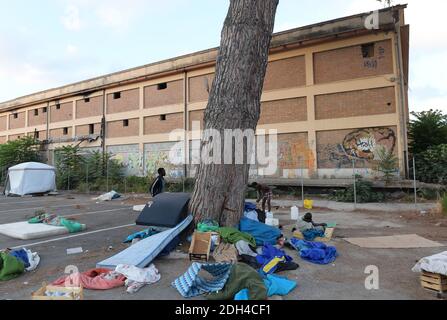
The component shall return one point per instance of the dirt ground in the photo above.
(109, 223)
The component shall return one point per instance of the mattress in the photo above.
(27, 231)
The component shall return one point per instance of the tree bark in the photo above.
(234, 103)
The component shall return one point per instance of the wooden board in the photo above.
(327, 235)
(76, 292)
(434, 281)
(200, 246)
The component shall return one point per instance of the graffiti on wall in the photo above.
(157, 155)
(132, 162)
(362, 145)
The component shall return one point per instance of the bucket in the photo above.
(308, 204)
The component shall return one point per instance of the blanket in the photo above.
(315, 252)
(262, 233)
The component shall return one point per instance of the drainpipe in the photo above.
(185, 126)
(48, 134)
(403, 113)
(103, 122)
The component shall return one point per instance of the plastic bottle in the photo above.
(294, 213)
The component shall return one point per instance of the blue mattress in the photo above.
(145, 251)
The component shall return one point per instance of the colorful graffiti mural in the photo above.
(129, 156)
(361, 145)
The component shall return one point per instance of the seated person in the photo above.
(309, 228)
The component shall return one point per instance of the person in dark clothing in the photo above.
(306, 223)
(158, 185)
(264, 193)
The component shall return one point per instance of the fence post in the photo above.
(355, 186)
(414, 185)
(107, 174)
(68, 179)
(86, 177)
(302, 183)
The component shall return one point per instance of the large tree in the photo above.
(234, 103)
(427, 129)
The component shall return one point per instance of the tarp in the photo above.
(263, 233)
(29, 178)
(405, 241)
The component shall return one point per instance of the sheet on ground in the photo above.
(405, 241)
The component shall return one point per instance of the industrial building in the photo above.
(334, 91)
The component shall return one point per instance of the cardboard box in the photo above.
(200, 246)
(75, 293)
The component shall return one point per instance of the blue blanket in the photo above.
(267, 258)
(315, 252)
(277, 285)
(262, 233)
(311, 234)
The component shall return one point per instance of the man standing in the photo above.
(158, 185)
(264, 193)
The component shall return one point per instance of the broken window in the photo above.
(91, 128)
(368, 50)
(36, 112)
(162, 86)
(44, 109)
(125, 123)
(36, 134)
(86, 100)
(16, 115)
(65, 131)
(117, 95)
(162, 117)
(58, 106)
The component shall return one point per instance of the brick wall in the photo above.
(2, 139)
(287, 110)
(196, 115)
(337, 148)
(59, 133)
(84, 130)
(355, 103)
(285, 73)
(89, 109)
(348, 63)
(39, 119)
(65, 112)
(116, 129)
(13, 137)
(42, 135)
(153, 124)
(198, 87)
(3, 123)
(19, 122)
(172, 94)
(128, 101)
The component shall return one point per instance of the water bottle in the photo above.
(294, 213)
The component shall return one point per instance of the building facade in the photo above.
(334, 91)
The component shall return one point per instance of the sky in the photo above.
(50, 43)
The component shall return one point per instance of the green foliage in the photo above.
(428, 129)
(387, 163)
(91, 172)
(68, 165)
(18, 151)
(431, 165)
(364, 193)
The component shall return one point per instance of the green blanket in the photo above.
(10, 267)
(242, 277)
(57, 221)
(233, 235)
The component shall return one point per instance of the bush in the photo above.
(444, 204)
(387, 164)
(18, 151)
(364, 193)
(431, 165)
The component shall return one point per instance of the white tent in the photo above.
(29, 178)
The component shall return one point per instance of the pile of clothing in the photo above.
(58, 221)
(132, 277)
(315, 252)
(14, 263)
(228, 281)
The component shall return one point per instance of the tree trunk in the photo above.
(234, 103)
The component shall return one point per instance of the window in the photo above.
(117, 95)
(162, 86)
(36, 134)
(16, 115)
(58, 106)
(44, 109)
(91, 128)
(368, 50)
(125, 123)
(65, 131)
(36, 112)
(86, 100)
(162, 117)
